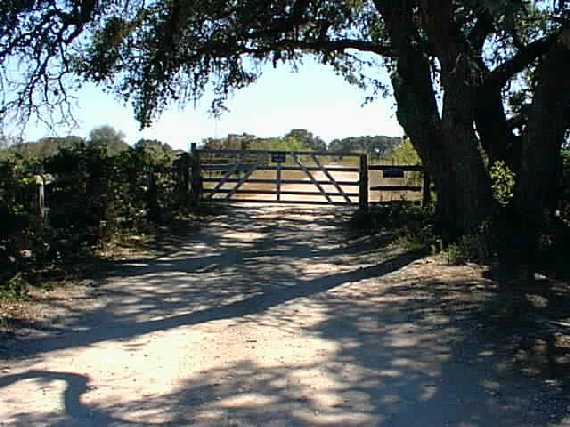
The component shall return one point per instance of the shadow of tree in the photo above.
(360, 336)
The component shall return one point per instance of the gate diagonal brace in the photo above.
(312, 178)
(232, 171)
(243, 180)
(331, 178)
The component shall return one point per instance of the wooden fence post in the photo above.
(196, 178)
(363, 183)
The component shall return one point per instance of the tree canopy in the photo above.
(377, 146)
(295, 140)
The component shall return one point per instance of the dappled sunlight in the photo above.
(275, 320)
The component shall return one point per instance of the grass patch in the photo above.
(14, 288)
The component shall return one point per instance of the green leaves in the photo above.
(503, 182)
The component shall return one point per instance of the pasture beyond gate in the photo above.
(300, 177)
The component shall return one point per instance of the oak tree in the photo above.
(475, 81)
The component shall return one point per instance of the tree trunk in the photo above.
(539, 181)
(447, 147)
(472, 184)
(496, 137)
(446, 143)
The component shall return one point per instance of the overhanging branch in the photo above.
(338, 46)
(504, 72)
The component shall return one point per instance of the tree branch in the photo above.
(482, 28)
(500, 75)
(339, 46)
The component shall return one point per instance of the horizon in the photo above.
(313, 98)
(131, 143)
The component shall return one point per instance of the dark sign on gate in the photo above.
(393, 172)
(278, 157)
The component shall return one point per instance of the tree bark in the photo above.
(446, 143)
(497, 139)
(539, 181)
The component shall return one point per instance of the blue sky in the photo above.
(313, 98)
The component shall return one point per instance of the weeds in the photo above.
(410, 225)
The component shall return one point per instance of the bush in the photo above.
(469, 248)
(91, 198)
(14, 288)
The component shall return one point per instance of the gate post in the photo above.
(363, 183)
(196, 181)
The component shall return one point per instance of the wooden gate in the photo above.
(296, 177)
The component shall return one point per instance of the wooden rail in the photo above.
(291, 202)
(396, 188)
(282, 192)
(398, 172)
(283, 181)
(300, 153)
(226, 166)
(234, 175)
(406, 168)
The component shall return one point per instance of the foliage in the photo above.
(376, 146)
(307, 139)
(469, 248)
(44, 147)
(14, 288)
(109, 139)
(403, 153)
(503, 182)
(415, 228)
(296, 140)
(92, 197)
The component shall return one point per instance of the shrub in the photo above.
(91, 198)
(469, 248)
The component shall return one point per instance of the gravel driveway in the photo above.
(273, 317)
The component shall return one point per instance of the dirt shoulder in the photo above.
(277, 317)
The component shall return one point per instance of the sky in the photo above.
(314, 98)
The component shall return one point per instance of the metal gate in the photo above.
(296, 177)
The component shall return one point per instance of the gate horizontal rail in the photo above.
(226, 167)
(396, 188)
(299, 153)
(411, 168)
(229, 173)
(283, 181)
(293, 202)
(286, 192)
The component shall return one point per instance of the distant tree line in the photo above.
(294, 140)
(301, 139)
(377, 146)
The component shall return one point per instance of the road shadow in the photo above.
(404, 348)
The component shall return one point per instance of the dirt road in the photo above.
(273, 317)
